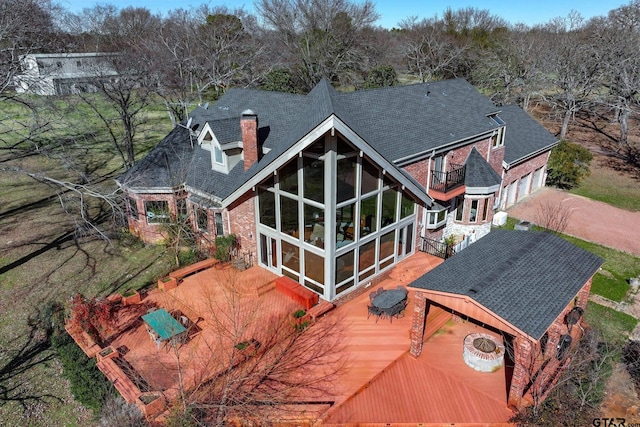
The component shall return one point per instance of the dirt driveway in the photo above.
(590, 220)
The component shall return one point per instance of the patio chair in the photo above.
(403, 289)
(373, 310)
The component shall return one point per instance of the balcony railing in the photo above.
(447, 181)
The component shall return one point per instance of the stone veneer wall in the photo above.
(454, 228)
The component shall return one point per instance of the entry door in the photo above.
(268, 252)
(405, 241)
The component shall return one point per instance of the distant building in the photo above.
(63, 73)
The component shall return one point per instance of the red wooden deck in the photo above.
(379, 382)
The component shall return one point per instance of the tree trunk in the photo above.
(565, 123)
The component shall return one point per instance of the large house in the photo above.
(331, 189)
(63, 73)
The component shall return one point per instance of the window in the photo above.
(288, 176)
(157, 211)
(459, 207)
(473, 212)
(368, 210)
(389, 200)
(407, 207)
(202, 219)
(132, 205)
(485, 211)
(436, 218)
(313, 173)
(267, 207)
(497, 139)
(217, 155)
(217, 219)
(289, 216)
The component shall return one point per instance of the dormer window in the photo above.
(497, 138)
(217, 155)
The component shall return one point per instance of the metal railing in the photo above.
(436, 248)
(447, 181)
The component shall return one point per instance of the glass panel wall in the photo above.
(295, 209)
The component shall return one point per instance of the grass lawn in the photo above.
(611, 281)
(41, 260)
(614, 325)
(610, 186)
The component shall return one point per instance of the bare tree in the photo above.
(429, 51)
(321, 37)
(618, 41)
(553, 216)
(256, 363)
(575, 69)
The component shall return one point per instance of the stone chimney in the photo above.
(251, 148)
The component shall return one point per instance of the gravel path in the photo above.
(589, 220)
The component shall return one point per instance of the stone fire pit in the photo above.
(483, 352)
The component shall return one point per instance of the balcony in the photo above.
(447, 185)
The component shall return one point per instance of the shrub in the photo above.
(224, 247)
(88, 384)
(568, 165)
(299, 313)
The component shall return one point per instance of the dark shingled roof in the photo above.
(165, 165)
(524, 135)
(397, 122)
(479, 173)
(525, 277)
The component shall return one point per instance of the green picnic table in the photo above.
(163, 324)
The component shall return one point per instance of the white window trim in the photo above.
(436, 224)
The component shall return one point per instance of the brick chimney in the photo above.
(251, 148)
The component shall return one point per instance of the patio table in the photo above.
(391, 301)
(163, 324)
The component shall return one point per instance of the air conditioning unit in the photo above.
(499, 219)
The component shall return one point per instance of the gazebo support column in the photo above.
(418, 323)
(522, 356)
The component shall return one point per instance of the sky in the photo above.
(393, 11)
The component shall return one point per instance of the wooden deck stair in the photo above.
(319, 309)
(265, 288)
(120, 380)
(193, 268)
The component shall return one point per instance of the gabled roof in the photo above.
(527, 278)
(393, 125)
(524, 136)
(480, 174)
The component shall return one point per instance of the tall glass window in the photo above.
(267, 207)
(313, 175)
(289, 216)
(288, 176)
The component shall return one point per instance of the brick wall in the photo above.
(250, 146)
(419, 171)
(242, 216)
(529, 358)
(521, 170)
(418, 319)
(150, 233)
